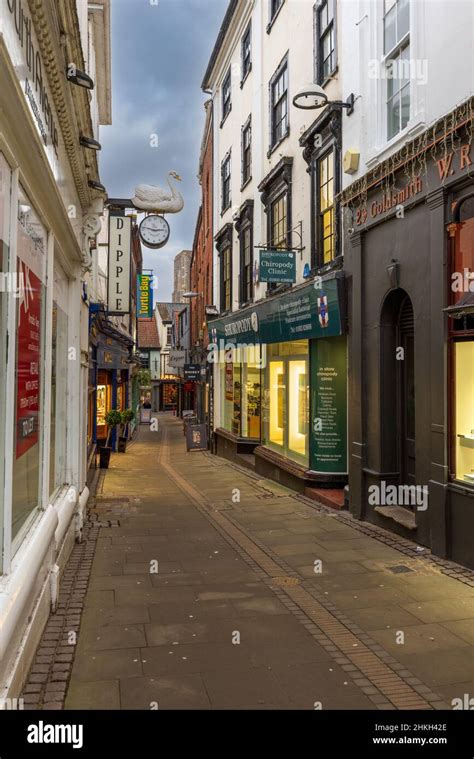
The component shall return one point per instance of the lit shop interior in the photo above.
(462, 345)
(265, 395)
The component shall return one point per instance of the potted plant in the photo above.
(126, 417)
(112, 419)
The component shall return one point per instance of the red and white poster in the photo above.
(28, 359)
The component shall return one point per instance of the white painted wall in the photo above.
(292, 33)
(25, 589)
(441, 36)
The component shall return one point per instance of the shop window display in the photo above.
(241, 396)
(286, 400)
(32, 244)
(5, 190)
(462, 348)
(464, 410)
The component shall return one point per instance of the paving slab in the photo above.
(236, 617)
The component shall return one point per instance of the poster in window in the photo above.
(229, 381)
(28, 360)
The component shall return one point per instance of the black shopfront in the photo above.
(409, 259)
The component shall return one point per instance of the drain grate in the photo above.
(286, 582)
(400, 569)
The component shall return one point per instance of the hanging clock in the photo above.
(154, 231)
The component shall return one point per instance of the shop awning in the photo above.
(464, 307)
(305, 312)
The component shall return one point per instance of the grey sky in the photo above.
(159, 55)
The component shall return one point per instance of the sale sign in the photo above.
(28, 360)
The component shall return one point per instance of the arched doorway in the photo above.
(398, 438)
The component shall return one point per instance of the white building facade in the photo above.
(47, 211)
(277, 170)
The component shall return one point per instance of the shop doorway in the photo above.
(398, 440)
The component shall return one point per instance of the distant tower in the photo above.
(182, 275)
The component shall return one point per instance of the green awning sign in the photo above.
(277, 266)
(308, 311)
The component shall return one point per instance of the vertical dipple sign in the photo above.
(119, 268)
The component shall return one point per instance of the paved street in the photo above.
(236, 617)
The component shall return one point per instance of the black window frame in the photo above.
(328, 128)
(274, 8)
(246, 129)
(226, 101)
(226, 182)
(320, 33)
(277, 183)
(282, 70)
(319, 215)
(244, 228)
(246, 58)
(224, 240)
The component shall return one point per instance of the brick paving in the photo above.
(236, 616)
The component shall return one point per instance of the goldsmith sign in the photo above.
(440, 171)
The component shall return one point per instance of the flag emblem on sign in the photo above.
(323, 311)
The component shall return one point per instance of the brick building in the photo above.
(202, 261)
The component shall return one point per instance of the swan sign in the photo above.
(119, 267)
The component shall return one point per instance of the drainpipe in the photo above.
(65, 512)
(79, 527)
(54, 579)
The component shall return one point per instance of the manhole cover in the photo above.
(286, 581)
(400, 569)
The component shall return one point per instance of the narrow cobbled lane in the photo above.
(212, 588)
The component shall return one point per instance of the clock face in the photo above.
(154, 231)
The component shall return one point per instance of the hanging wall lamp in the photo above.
(96, 185)
(75, 76)
(88, 142)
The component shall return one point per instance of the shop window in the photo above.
(5, 200)
(32, 250)
(298, 407)
(396, 25)
(59, 384)
(325, 40)
(462, 345)
(286, 400)
(464, 410)
(104, 402)
(241, 392)
(277, 402)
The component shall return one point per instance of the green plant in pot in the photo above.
(127, 416)
(112, 419)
